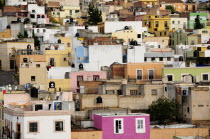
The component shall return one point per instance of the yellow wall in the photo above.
(152, 20)
(126, 35)
(59, 55)
(86, 134)
(64, 84)
(6, 34)
(169, 133)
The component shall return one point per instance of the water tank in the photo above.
(81, 66)
(99, 99)
(181, 58)
(59, 41)
(126, 28)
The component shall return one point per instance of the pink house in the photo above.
(130, 126)
(85, 76)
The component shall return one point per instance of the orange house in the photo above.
(144, 72)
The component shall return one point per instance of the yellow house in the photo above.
(126, 35)
(156, 23)
(149, 3)
(59, 54)
(6, 34)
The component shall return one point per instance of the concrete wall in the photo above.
(170, 133)
(20, 98)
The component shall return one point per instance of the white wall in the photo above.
(38, 9)
(136, 55)
(58, 72)
(103, 55)
(113, 26)
(45, 126)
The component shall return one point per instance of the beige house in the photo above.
(7, 53)
(32, 69)
(130, 96)
(126, 34)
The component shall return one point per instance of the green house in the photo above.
(178, 74)
(203, 19)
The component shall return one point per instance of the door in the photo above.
(0, 64)
(18, 133)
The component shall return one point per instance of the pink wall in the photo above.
(85, 74)
(107, 124)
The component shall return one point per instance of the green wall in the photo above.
(178, 71)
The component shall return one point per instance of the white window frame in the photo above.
(172, 77)
(141, 74)
(121, 131)
(140, 130)
(202, 76)
(182, 78)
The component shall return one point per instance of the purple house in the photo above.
(129, 126)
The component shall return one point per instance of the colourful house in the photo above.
(157, 23)
(76, 77)
(178, 74)
(129, 126)
(203, 19)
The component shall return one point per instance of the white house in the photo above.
(94, 57)
(113, 26)
(135, 54)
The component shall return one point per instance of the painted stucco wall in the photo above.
(177, 72)
(129, 127)
(85, 74)
(43, 122)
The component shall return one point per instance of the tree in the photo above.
(163, 110)
(94, 15)
(170, 7)
(198, 24)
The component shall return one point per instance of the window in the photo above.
(200, 105)
(52, 62)
(70, 12)
(109, 91)
(170, 77)
(178, 22)
(139, 74)
(165, 24)
(33, 127)
(151, 74)
(139, 35)
(76, 11)
(173, 22)
(154, 91)
(37, 65)
(160, 58)
(33, 11)
(59, 126)
(168, 59)
(192, 42)
(205, 77)
(153, 58)
(58, 13)
(79, 78)
(64, 59)
(68, 44)
(37, 30)
(32, 15)
(38, 107)
(118, 126)
(156, 24)
(95, 77)
(33, 78)
(44, 30)
(140, 125)
(134, 92)
(145, 59)
(204, 31)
